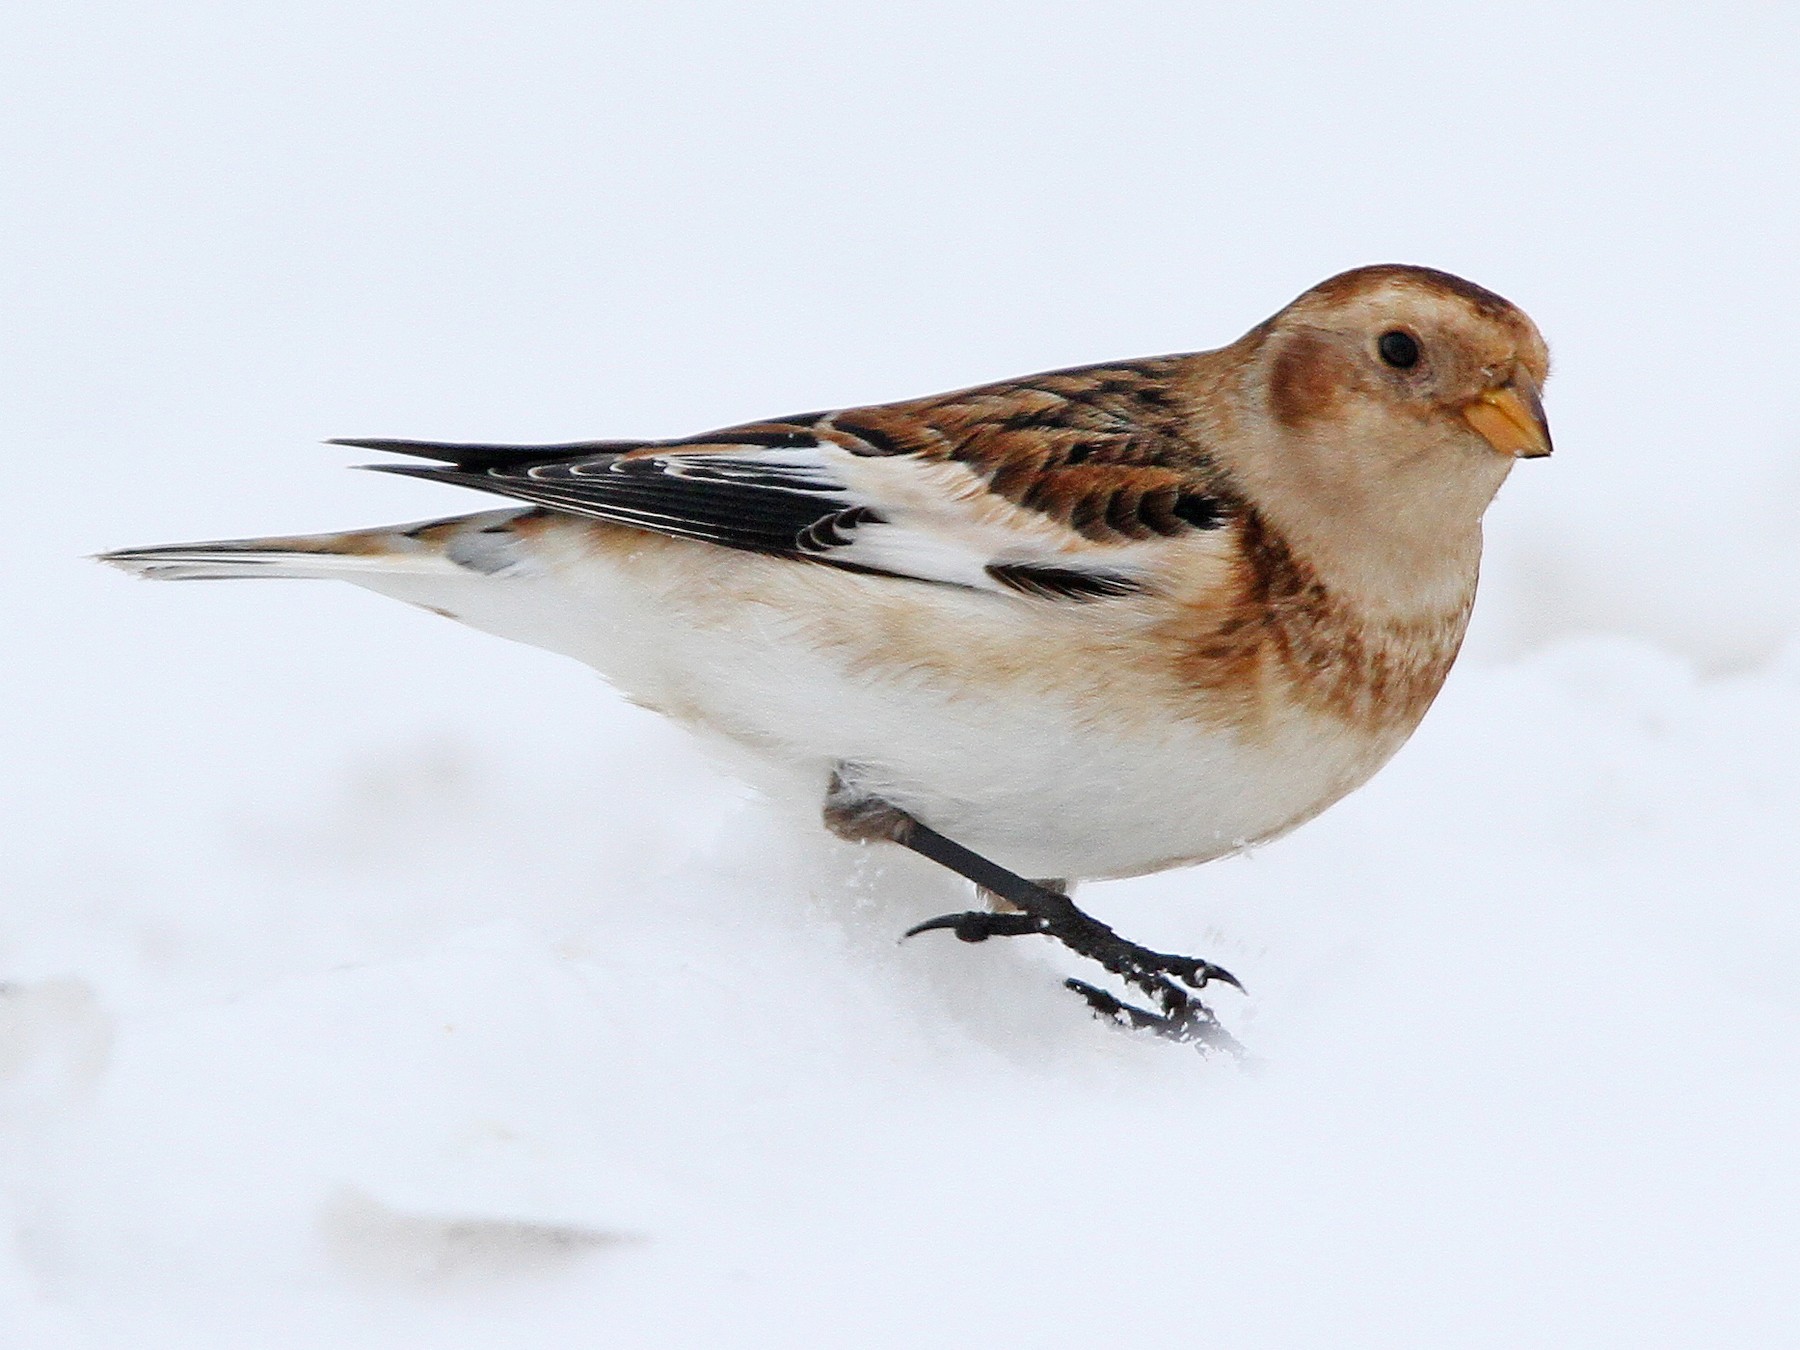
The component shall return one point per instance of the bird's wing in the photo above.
(1070, 485)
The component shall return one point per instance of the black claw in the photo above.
(1199, 974)
(980, 925)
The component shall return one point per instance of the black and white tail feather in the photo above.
(774, 489)
(452, 547)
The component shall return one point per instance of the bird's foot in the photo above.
(853, 813)
(1177, 1015)
(1187, 1020)
(978, 925)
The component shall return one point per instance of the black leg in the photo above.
(1043, 911)
(1000, 904)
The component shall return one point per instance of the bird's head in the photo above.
(1386, 406)
(1416, 356)
(1412, 357)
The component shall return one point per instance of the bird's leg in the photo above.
(1035, 908)
(1001, 905)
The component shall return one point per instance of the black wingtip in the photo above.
(477, 457)
(376, 443)
(443, 473)
(445, 452)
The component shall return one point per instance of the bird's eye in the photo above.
(1399, 349)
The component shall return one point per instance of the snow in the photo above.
(369, 982)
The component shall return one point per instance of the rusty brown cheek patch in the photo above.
(1307, 381)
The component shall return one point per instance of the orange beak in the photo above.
(1511, 418)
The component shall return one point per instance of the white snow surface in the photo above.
(372, 983)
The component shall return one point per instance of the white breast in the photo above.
(996, 721)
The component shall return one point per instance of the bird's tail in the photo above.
(479, 543)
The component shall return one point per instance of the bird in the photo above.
(1075, 626)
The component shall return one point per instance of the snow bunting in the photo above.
(1086, 624)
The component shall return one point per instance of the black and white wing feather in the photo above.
(1069, 486)
(765, 501)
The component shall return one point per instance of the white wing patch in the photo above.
(900, 515)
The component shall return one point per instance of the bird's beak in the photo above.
(1511, 418)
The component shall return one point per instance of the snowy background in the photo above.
(371, 982)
